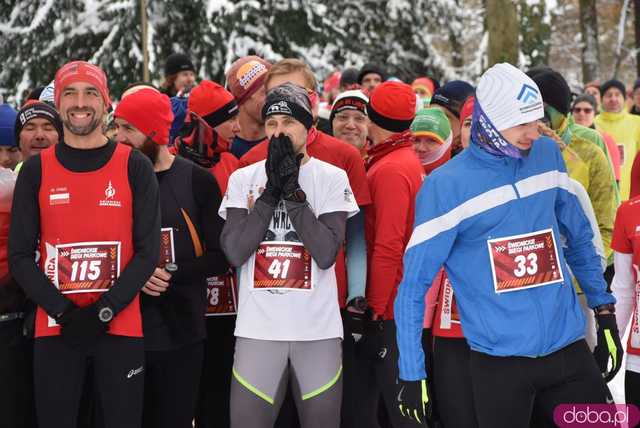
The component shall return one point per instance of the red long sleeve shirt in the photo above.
(394, 176)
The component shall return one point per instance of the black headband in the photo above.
(283, 106)
(222, 114)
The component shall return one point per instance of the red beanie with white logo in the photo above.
(392, 106)
(81, 71)
(150, 112)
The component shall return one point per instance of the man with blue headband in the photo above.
(493, 217)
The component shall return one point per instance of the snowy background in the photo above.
(445, 39)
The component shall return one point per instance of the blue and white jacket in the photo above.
(476, 197)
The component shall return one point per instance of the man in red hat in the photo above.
(88, 207)
(174, 301)
(394, 174)
(245, 80)
(212, 123)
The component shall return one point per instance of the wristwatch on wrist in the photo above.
(609, 307)
(105, 314)
(297, 195)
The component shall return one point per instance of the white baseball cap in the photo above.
(509, 97)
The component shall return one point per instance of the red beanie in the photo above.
(467, 108)
(81, 71)
(392, 106)
(149, 111)
(212, 102)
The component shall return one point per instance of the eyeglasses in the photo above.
(586, 110)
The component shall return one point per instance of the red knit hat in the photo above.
(246, 76)
(212, 102)
(392, 106)
(150, 112)
(467, 108)
(81, 71)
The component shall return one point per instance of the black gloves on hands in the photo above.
(289, 169)
(276, 152)
(81, 327)
(414, 400)
(609, 346)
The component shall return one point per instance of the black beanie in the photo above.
(349, 77)
(176, 63)
(613, 83)
(40, 109)
(636, 85)
(452, 95)
(554, 88)
(371, 68)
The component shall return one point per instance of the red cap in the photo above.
(392, 106)
(81, 71)
(246, 76)
(212, 102)
(424, 83)
(149, 111)
(467, 109)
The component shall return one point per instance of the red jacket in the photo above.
(394, 175)
(338, 153)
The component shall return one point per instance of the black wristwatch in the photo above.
(297, 195)
(607, 307)
(105, 314)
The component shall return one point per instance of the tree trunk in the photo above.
(590, 48)
(502, 24)
(619, 45)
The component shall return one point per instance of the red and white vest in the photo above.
(86, 234)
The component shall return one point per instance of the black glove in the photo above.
(414, 401)
(276, 152)
(372, 345)
(81, 327)
(609, 346)
(289, 170)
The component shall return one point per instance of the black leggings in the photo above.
(16, 396)
(632, 387)
(451, 376)
(504, 388)
(215, 387)
(118, 372)
(171, 384)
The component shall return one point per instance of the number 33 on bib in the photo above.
(524, 261)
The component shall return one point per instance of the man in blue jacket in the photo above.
(493, 217)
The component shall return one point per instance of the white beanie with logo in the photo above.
(509, 97)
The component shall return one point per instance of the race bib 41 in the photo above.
(282, 266)
(524, 261)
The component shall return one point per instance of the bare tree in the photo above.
(619, 44)
(590, 50)
(502, 25)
